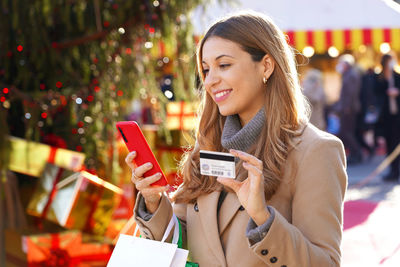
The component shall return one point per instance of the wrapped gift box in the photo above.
(30, 157)
(181, 115)
(80, 201)
(53, 249)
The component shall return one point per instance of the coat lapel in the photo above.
(231, 203)
(207, 205)
(228, 210)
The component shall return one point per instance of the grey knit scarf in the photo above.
(236, 137)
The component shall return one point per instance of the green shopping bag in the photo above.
(188, 263)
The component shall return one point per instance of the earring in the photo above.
(265, 80)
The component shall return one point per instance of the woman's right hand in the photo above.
(151, 194)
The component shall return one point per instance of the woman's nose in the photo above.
(211, 79)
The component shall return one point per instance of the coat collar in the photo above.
(298, 135)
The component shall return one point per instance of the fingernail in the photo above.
(133, 152)
(158, 174)
(149, 164)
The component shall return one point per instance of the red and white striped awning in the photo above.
(320, 24)
(348, 39)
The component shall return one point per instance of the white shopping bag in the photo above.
(135, 251)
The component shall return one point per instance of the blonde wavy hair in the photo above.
(285, 107)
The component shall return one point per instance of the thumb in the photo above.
(229, 182)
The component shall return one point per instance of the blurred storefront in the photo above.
(321, 30)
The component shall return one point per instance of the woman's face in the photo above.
(232, 78)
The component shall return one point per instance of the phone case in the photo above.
(135, 141)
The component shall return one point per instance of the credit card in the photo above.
(217, 164)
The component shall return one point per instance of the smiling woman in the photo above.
(284, 208)
(232, 78)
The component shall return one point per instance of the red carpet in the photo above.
(371, 234)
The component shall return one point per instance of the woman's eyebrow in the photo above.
(218, 57)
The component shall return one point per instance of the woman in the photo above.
(285, 206)
(314, 92)
(387, 90)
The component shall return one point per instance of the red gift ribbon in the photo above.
(59, 257)
(52, 155)
(52, 193)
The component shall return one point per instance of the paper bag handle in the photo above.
(173, 222)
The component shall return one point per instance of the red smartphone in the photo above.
(135, 141)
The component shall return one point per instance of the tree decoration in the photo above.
(71, 68)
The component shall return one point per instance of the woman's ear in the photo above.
(268, 65)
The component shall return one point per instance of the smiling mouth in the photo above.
(222, 95)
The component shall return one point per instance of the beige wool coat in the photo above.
(308, 206)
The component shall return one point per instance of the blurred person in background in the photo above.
(387, 90)
(369, 113)
(348, 106)
(313, 90)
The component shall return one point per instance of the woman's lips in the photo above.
(222, 95)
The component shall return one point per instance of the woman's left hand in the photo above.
(251, 191)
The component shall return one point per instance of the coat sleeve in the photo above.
(155, 227)
(314, 235)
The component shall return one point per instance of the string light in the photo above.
(5, 90)
(88, 119)
(333, 52)
(385, 48)
(20, 48)
(28, 116)
(59, 84)
(44, 115)
(168, 94)
(148, 45)
(78, 101)
(308, 51)
(167, 81)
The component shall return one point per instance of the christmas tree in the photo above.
(69, 69)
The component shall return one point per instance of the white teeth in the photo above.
(220, 94)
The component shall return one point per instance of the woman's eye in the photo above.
(205, 72)
(223, 66)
